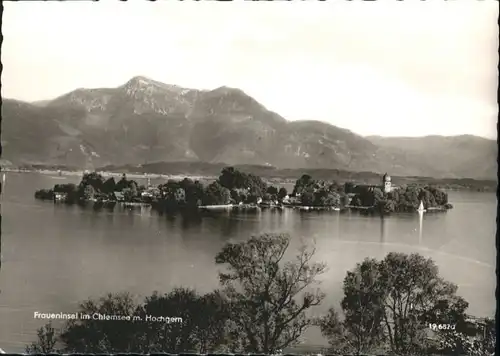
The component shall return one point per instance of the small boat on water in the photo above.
(421, 207)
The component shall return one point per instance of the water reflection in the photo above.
(337, 223)
(383, 229)
(420, 226)
(231, 226)
(110, 217)
(192, 221)
(170, 220)
(231, 223)
(141, 250)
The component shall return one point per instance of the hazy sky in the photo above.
(385, 68)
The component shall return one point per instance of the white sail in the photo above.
(421, 206)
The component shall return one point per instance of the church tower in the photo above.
(386, 183)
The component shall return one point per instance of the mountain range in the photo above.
(145, 121)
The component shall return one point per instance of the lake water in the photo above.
(56, 256)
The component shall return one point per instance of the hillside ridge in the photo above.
(144, 120)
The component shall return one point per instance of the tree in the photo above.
(339, 339)
(174, 194)
(307, 197)
(478, 340)
(213, 316)
(409, 201)
(378, 195)
(193, 192)
(325, 197)
(268, 312)
(231, 178)
(282, 193)
(440, 196)
(257, 186)
(304, 181)
(393, 301)
(239, 195)
(272, 190)
(98, 336)
(361, 330)
(124, 183)
(254, 193)
(130, 192)
(94, 179)
(201, 327)
(382, 201)
(404, 199)
(267, 197)
(388, 206)
(427, 198)
(169, 337)
(216, 194)
(109, 186)
(348, 187)
(46, 342)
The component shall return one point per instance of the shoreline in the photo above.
(241, 207)
(107, 174)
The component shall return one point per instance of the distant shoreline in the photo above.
(451, 184)
(108, 174)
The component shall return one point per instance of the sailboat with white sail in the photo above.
(421, 207)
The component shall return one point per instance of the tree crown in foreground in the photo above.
(263, 303)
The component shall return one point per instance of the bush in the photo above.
(44, 194)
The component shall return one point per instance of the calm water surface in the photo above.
(56, 256)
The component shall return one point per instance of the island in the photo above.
(234, 189)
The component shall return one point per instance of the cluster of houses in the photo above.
(149, 193)
(386, 187)
(152, 192)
